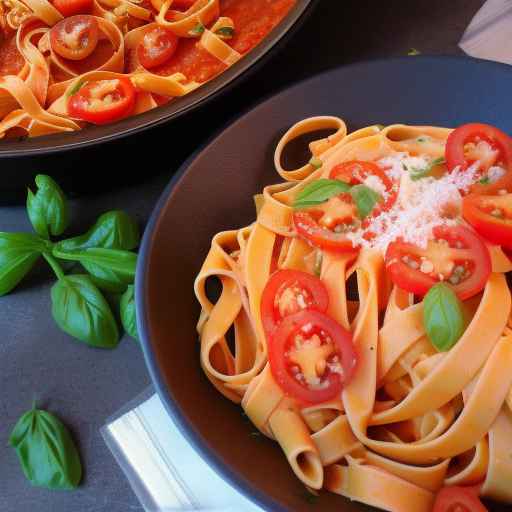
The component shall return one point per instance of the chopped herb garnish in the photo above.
(316, 162)
(225, 32)
(412, 52)
(197, 30)
(421, 139)
(485, 180)
(76, 88)
(417, 174)
(318, 192)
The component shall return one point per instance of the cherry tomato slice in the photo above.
(311, 356)
(458, 499)
(103, 101)
(287, 292)
(491, 216)
(157, 46)
(457, 256)
(477, 141)
(75, 38)
(355, 172)
(71, 7)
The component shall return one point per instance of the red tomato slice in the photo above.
(458, 499)
(311, 356)
(103, 101)
(157, 46)
(477, 141)
(75, 38)
(491, 216)
(290, 291)
(71, 7)
(355, 172)
(456, 256)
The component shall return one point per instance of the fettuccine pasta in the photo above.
(364, 318)
(65, 64)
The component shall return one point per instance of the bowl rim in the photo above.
(94, 135)
(172, 406)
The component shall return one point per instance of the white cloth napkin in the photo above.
(163, 469)
(489, 35)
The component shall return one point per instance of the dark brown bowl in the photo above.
(66, 154)
(213, 192)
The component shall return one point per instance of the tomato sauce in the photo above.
(11, 60)
(253, 20)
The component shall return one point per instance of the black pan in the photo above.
(213, 192)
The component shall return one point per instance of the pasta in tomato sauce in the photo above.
(372, 316)
(65, 64)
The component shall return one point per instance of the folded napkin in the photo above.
(163, 469)
(489, 35)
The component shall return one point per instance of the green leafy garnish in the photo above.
(485, 180)
(80, 309)
(46, 451)
(442, 317)
(365, 199)
(197, 30)
(417, 174)
(48, 208)
(18, 254)
(225, 32)
(316, 162)
(318, 192)
(413, 51)
(128, 313)
(76, 87)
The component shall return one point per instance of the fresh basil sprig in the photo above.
(318, 192)
(18, 254)
(365, 199)
(110, 269)
(48, 208)
(442, 317)
(46, 451)
(417, 174)
(113, 230)
(128, 312)
(80, 309)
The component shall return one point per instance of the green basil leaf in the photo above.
(46, 451)
(319, 191)
(80, 309)
(417, 174)
(484, 180)
(365, 199)
(225, 32)
(18, 254)
(48, 208)
(113, 230)
(128, 313)
(197, 30)
(110, 269)
(442, 317)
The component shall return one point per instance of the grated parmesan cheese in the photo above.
(420, 206)
(376, 184)
(495, 173)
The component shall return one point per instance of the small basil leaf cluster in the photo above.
(46, 451)
(322, 190)
(79, 306)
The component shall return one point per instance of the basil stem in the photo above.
(80, 309)
(318, 192)
(18, 254)
(48, 208)
(113, 230)
(128, 313)
(443, 317)
(46, 451)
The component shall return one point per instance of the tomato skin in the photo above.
(157, 46)
(497, 230)
(354, 172)
(419, 283)
(310, 230)
(183, 4)
(88, 35)
(470, 132)
(283, 279)
(279, 365)
(79, 103)
(71, 7)
(459, 499)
